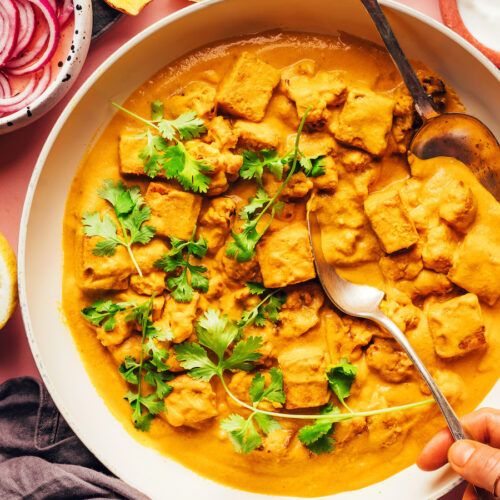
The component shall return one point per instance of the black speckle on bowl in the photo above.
(66, 78)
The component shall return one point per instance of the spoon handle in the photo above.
(449, 414)
(456, 429)
(423, 104)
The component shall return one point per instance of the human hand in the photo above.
(477, 461)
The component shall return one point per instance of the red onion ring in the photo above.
(53, 40)
(30, 55)
(65, 12)
(5, 90)
(10, 29)
(34, 89)
(27, 26)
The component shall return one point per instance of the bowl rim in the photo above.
(70, 106)
(59, 86)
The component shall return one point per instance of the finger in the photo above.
(477, 463)
(483, 425)
(469, 493)
(435, 452)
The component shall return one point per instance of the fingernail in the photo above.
(460, 453)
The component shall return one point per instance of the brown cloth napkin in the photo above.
(41, 457)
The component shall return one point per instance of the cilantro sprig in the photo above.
(166, 151)
(267, 309)
(219, 349)
(340, 379)
(151, 367)
(242, 248)
(188, 277)
(103, 313)
(244, 432)
(131, 213)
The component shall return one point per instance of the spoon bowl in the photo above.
(465, 138)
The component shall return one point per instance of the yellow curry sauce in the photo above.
(426, 234)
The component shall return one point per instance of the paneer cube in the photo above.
(195, 96)
(181, 317)
(129, 147)
(256, 135)
(316, 92)
(221, 133)
(191, 403)
(390, 221)
(476, 263)
(365, 121)
(247, 89)
(298, 186)
(426, 283)
(313, 145)
(389, 360)
(173, 212)
(329, 180)
(285, 256)
(304, 376)
(240, 272)
(104, 272)
(456, 326)
(147, 255)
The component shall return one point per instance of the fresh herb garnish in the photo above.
(254, 163)
(131, 213)
(167, 153)
(267, 309)
(242, 248)
(218, 334)
(244, 433)
(103, 313)
(313, 167)
(189, 277)
(317, 437)
(151, 367)
(340, 378)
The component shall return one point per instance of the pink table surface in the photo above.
(19, 152)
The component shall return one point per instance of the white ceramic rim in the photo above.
(393, 4)
(81, 38)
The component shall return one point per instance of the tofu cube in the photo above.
(439, 247)
(104, 272)
(402, 266)
(390, 221)
(389, 360)
(191, 402)
(129, 147)
(247, 89)
(456, 326)
(181, 317)
(173, 212)
(256, 135)
(476, 263)
(285, 256)
(459, 205)
(365, 121)
(304, 377)
(195, 96)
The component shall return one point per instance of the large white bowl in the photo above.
(40, 249)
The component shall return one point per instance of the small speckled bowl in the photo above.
(72, 63)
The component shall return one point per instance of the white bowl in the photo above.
(66, 76)
(40, 248)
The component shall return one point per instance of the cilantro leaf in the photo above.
(255, 162)
(244, 354)
(103, 313)
(273, 393)
(131, 213)
(266, 423)
(152, 154)
(151, 404)
(194, 357)
(317, 436)
(312, 167)
(242, 433)
(129, 370)
(340, 378)
(188, 277)
(267, 309)
(216, 332)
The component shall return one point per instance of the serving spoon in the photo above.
(458, 135)
(363, 301)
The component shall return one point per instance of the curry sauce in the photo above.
(425, 232)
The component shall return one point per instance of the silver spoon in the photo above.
(457, 135)
(363, 301)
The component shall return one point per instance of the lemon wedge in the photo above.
(8, 281)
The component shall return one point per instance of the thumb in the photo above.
(477, 463)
